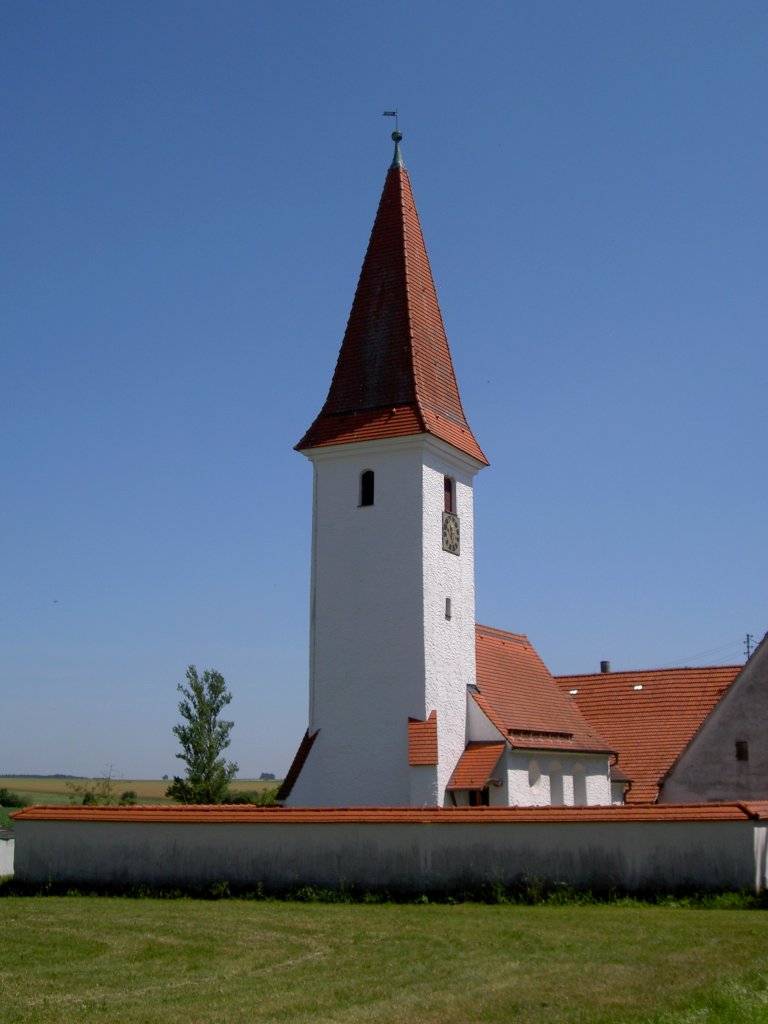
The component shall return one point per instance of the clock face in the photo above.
(451, 533)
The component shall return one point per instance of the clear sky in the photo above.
(186, 194)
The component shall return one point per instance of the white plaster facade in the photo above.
(6, 856)
(407, 855)
(382, 647)
(710, 768)
(539, 778)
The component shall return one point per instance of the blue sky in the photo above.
(186, 193)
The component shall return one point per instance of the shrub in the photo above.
(10, 799)
(128, 798)
(260, 798)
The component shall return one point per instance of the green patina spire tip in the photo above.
(397, 159)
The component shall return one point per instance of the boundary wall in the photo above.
(6, 855)
(657, 848)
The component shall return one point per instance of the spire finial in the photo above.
(397, 138)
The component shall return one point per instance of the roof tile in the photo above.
(649, 716)
(476, 765)
(525, 700)
(251, 815)
(394, 375)
(422, 740)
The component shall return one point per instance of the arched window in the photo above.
(366, 487)
(449, 488)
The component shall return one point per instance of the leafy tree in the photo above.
(203, 736)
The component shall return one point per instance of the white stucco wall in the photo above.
(381, 649)
(532, 779)
(6, 857)
(708, 768)
(658, 855)
(479, 728)
(449, 644)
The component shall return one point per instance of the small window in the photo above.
(742, 750)
(447, 607)
(449, 488)
(366, 487)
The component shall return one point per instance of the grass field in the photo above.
(198, 962)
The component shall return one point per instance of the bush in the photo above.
(10, 799)
(128, 798)
(260, 798)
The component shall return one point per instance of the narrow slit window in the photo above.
(447, 607)
(366, 487)
(742, 750)
(449, 489)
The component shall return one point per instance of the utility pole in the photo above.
(749, 643)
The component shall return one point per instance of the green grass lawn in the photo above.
(197, 962)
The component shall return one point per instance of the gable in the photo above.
(521, 698)
(648, 716)
(728, 753)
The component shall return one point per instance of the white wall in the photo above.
(542, 778)
(708, 768)
(6, 857)
(381, 649)
(408, 856)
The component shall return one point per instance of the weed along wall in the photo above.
(667, 847)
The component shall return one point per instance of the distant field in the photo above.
(149, 791)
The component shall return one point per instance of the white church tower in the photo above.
(392, 614)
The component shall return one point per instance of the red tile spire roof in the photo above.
(394, 375)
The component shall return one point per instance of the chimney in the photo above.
(605, 666)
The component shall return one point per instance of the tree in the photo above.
(203, 736)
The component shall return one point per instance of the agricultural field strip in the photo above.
(56, 791)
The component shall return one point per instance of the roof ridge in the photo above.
(403, 174)
(645, 671)
(493, 631)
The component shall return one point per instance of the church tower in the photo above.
(392, 614)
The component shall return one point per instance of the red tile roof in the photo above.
(523, 699)
(394, 375)
(248, 814)
(476, 764)
(648, 717)
(422, 740)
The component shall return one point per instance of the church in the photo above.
(411, 703)
(440, 753)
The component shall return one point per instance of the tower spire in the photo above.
(394, 374)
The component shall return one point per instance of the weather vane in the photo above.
(393, 113)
